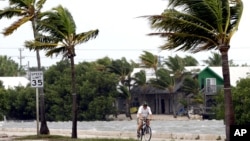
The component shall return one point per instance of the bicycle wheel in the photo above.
(147, 134)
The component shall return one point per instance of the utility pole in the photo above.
(20, 57)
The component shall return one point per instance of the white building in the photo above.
(12, 82)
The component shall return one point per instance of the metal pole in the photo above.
(37, 111)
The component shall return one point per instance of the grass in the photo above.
(65, 138)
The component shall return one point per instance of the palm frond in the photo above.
(37, 45)
(64, 20)
(39, 4)
(124, 91)
(57, 51)
(9, 30)
(149, 60)
(190, 85)
(164, 80)
(10, 12)
(197, 25)
(140, 78)
(21, 3)
(86, 36)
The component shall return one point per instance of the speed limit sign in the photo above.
(36, 79)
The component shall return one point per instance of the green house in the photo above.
(210, 82)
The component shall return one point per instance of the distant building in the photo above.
(12, 82)
(210, 80)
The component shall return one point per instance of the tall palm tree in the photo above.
(202, 25)
(123, 69)
(27, 10)
(149, 60)
(165, 80)
(61, 37)
(215, 60)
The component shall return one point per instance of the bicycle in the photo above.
(145, 132)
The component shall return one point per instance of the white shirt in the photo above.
(144, 112)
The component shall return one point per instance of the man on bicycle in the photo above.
(144, 111)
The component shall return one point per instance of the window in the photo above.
(210, 85)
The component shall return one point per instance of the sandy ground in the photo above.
(10, 134)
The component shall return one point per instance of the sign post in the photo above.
(36, 79)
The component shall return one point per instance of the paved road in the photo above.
(9, 134)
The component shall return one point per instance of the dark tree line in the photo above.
(96, 94)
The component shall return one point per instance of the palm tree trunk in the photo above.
(156, 104)
(229, 111)
(128, 114)
(74, 99)
(43, 128)
(173, 105)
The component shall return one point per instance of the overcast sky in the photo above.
(122, 34)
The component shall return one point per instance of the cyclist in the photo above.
(144, 111)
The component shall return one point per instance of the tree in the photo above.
(123, 69)
(96, 87)
(191, 87)
(3, 101)
(176, 66)
(27, 11)
(61, 37)
(9, 67)
(165, 80)
(140, 80)
(188, 27)
(149, 60)
(215, 60)
(190, 61)
(241, 93)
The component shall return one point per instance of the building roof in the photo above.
(12, 82)
(236, 73)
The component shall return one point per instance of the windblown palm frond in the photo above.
(176, 66)
(86, 36)
(198, 25)
(164, 80)
(9, 30)
(149, 60)
(140, 78)
(24, 9)
(59, 25)
(191, 85)
(215, 60)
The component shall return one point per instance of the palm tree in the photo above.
(165, 80)
(176, 66)
(27, 11)
(123, 69)
(215, 60)
(150, 60)
(190, 61)
(62, 38)
(140, 80)
(191, 87)
(202, 25)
